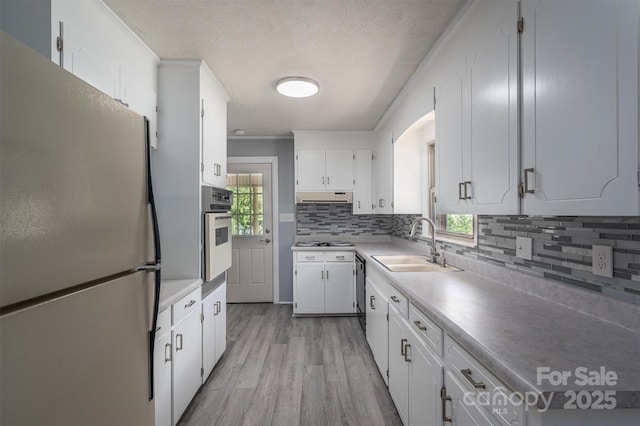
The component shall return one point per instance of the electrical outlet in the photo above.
(286, 217)
(524, 247)
(602, 258)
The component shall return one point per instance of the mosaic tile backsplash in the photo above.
(561, 248)
(338, 219)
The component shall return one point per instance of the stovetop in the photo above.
(323, 244)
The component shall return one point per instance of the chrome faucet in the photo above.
(435, 256)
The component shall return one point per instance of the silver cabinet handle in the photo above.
(395, 299)
(218, 306)
(403, 342)
(371, 300)
(167, 358)
(444, 398)
(178, 347)
(328, 181)
(323, 275)
(215, 309)
(460, 197)
(340, 257)
(466, 195)
(190, 304)
(467, 375)
(420, 326)
(158, 329)
(381, 202)
(406, 353)
(358, 203)
(327, 274)
(524, 188)
(310, 257)
(323, 180)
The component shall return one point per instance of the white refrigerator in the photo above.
(79, 261)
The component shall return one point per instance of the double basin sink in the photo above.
(412, 263)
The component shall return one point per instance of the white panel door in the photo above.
(309, 288)
(221, 320)
(339, 288)
(214, 130)
(398, 366)
(425, 382)
(80, 359)
(363, 191)
(162, 380)
(580, 107)
(209, 338)
(378, 328)
(491, 146)
(449, 134)
(251, 275)
(339, 169)
(310, 170)
(187, 360)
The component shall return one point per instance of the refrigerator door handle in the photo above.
(155, 266)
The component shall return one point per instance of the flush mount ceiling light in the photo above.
(297, 87)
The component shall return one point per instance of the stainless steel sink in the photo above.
(412, 263)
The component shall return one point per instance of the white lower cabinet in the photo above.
(324, 282)
(187, 355)
(214, 331)
(415, 374)
(378, 328)
(461, 413)
(162, 369)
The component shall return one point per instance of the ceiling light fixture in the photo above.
(297, 87)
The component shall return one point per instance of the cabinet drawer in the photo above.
(476, 378)
(163, 325)
(428, 330)
(187, 305)
(339, 256)
(398, 301)
(309, 256)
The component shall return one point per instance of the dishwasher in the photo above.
(361, 296)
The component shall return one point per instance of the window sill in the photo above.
(461, 241)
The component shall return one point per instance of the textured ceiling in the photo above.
(362, 52)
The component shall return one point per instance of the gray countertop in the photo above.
(172, 290)
(513, 333)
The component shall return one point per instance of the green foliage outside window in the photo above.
(460, 224)
(247, 209)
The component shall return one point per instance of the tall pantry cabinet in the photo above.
(192, 152)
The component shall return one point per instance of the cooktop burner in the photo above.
(324, 244)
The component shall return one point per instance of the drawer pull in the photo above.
(403, 352)
(340, 257)
(371, 300)
(420, 326)
(406, 353)
(444, 398)
(167, 350)
(395, 299)
(178, 347)
(190, 304)
(158, 329)
(467, 375)
(310, 257)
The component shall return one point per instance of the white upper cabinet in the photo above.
(213, 137)
(363, 193)
(383, 174)
(477, 120)
(325, 170)
(100, 49)
(580, 107)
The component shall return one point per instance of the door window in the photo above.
(247, 214)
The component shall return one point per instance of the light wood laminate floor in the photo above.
(279, 370)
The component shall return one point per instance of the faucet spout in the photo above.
(434, 252)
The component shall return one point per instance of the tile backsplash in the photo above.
(561, 249)
(337, 219)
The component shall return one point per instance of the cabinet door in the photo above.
(209, 317)
(187, 361)
(309, 288)
(339, 288)
(383, 174)
(491, 144)
(425, 382)
(221, 321)
(310, 170)
(398, 365)
(162, 380)
(580, 107)
(339, 169)
(461, 413)
(213, 130)
(378, 327)
(449, 125)
(363, 191)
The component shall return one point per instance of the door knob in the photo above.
(266, 231)
(266, 240)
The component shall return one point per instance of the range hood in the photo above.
(324, 197)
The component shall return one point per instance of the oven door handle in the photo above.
(221, 217)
